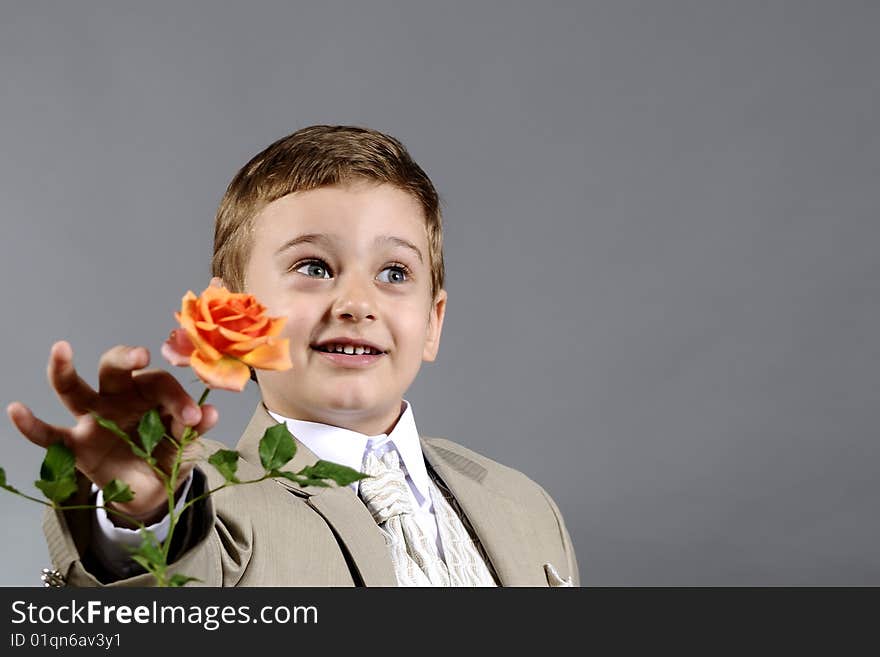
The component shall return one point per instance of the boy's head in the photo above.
(339, 230)
(314, 157)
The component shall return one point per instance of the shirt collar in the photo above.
(348, 447)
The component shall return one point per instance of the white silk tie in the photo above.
(386, 495)
(413, 553)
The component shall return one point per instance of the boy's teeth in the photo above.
(349, 349)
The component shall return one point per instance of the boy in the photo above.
(337, 229)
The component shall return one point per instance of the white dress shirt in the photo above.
(327, 442)
(111, 543)
(350, 448)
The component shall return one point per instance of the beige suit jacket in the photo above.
(275, 533)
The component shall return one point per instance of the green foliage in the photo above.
(180, 580)
(320, 472)
(297, 478)
(57, 474)
(4, 484)
(226, 463)
(341, 474)
(117, 491)
(111, 426)
(151, 430)
(276, 447)
(149, 553)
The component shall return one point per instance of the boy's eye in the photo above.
(314, 269)
(398, 274)
(319, 269)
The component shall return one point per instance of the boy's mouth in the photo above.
(349, 353)
(347, 349)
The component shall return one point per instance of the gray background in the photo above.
(661, 236)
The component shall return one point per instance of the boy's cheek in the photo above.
(299, 335)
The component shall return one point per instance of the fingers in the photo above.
(33, 428)
(208, 421)
(161, 389)
(116, 366)
(77, 395)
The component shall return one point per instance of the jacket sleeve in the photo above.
(204, 546)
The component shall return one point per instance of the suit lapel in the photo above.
(501, 527)
(339, 506)
(498, 521)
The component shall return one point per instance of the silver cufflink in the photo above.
(52, 577)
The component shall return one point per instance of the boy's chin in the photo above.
(355, 401)
(337, 398)
(371, 417)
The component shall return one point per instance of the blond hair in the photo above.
(318, 156)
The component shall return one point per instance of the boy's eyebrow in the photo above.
(399, 242)
(320, 238)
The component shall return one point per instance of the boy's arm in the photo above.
(195, 551)
(111, 545)
(126, 390)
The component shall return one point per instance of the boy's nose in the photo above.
(354, 302)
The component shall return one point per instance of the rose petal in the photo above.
(188, 304)
(239, 349)
(214, 294)
(178, 348)
(225, 373)
(188, 298)
(203, 311)
(250, 325)
(228, 315)
(274, 355)
(198, 339)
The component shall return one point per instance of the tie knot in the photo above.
(385, 493)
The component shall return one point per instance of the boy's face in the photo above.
(336, 262)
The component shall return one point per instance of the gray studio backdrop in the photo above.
(662, 237)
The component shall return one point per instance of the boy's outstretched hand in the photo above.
(125, 392)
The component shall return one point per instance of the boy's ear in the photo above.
(435, 327)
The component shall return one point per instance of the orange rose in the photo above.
(222, 333)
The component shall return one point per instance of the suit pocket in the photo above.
(553, 578)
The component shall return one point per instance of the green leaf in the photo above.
(110, 425)
(276, 447)
(5, 485)
(59, 463)
(57, 473)
(149, 551)
(310, 481)
(180, 580)
(56, 491)
(317, 474)
(117, 491)
(299, 479)
(226, 462)
(151, 430)
(148, 565)
(341, 474)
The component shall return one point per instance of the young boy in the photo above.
(337, 229)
